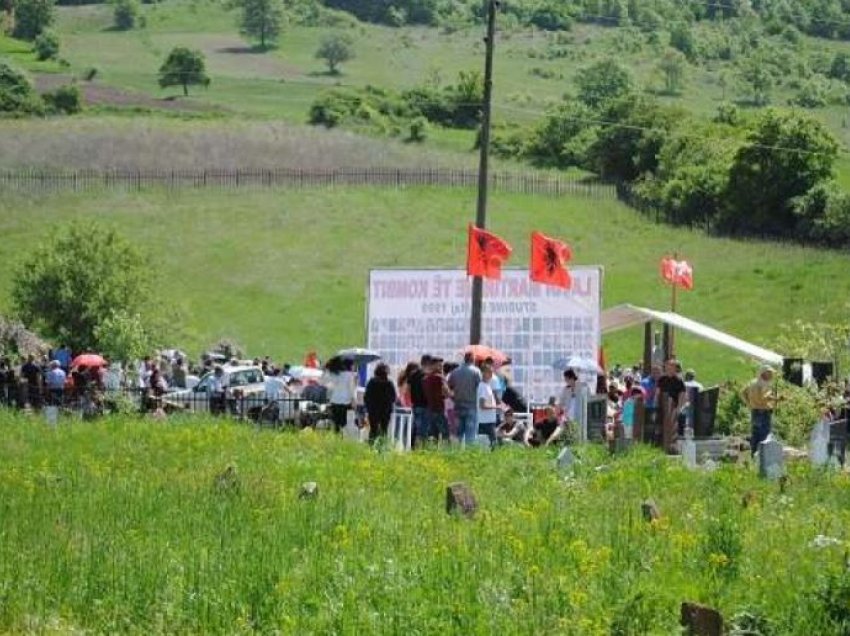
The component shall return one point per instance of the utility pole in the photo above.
(481, 211)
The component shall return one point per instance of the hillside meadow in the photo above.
(285, 271)
(124, 526)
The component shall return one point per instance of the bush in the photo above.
(125, 14)
(46, 45)
(65, 99)
(90, 73)
(418, 130)
(31, 18)
(16, 94)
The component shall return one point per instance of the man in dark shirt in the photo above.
(31, 372)
(418, 401)
(435, 389)
(672, 397)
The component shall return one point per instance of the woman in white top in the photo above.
(488, 407)
(342, 384)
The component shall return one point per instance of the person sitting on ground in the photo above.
(546, 431)
(511, 430)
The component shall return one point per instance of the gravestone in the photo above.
(689, 449)
(701, 620)
(484, 441)
(819, 444)
(566, 459)
(460, 499)
(771, 459)
(308, 490)
(705, 412)
(227, 482)
(650, 510)
(51, 415)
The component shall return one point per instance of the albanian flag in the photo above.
(548, 261)
(485, 253)
(679, 273)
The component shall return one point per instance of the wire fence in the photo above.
(40, 181)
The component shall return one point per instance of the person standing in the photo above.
(488, 407)
(379, 399)
(760, 397)
(55, 380)
(436, 391)
(463, 383)
(671, 400)
(341, 390)
(417, 399)
(31, 372)
(570, 401)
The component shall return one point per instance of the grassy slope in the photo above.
(283, 82)
(118, 527)
(284, 272)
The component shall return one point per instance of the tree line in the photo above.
(766, 174)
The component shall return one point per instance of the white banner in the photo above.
(411, 312)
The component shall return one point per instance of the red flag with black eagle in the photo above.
(485, 253)
(678, 273)
(549, 259)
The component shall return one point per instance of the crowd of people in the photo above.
(449, 402)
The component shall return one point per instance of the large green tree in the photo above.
(602, 83)
(335, 49)
(32, 17)
(784, 156)
(70, 286)
(183, 67)
(262, 19)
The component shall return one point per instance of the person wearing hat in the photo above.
(760, 397)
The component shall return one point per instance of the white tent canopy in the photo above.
(623, 316)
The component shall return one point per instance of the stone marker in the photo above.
(484, 441)
(689, 449)
(771, 459)
(749, 499)
(566, 459)
(51, 414)
(460, 499)
(227, 481)
(819, 444)
(700, 620)
(309, 490)
(650, 510)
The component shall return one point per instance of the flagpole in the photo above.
(481, 210)
(673, 310)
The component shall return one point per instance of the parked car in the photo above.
(245, 394)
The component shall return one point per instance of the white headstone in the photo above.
(771, 459)
(51, 414)
(819, 444)
(566, 459)
(689, 453)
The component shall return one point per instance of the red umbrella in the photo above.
(88, 360)
(482, 352)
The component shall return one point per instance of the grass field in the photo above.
(285, 271)
(119, 526)
(281, 83)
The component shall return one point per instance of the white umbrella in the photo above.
(305, 373)
(579, 364)
(358, 355)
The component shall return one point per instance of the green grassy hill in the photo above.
(284, 272)
(119, 527)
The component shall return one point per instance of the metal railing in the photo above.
(45, 181)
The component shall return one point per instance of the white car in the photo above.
(245, 394)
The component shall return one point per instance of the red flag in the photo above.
(679, 273)
(485, 253)
(548, 261)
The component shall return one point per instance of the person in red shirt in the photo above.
(436, 391)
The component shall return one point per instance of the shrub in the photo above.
(16, 94)
(90, 73)
(31, 18)
(46, 45)
(418, 130)
(125, 14)
(65, 99)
